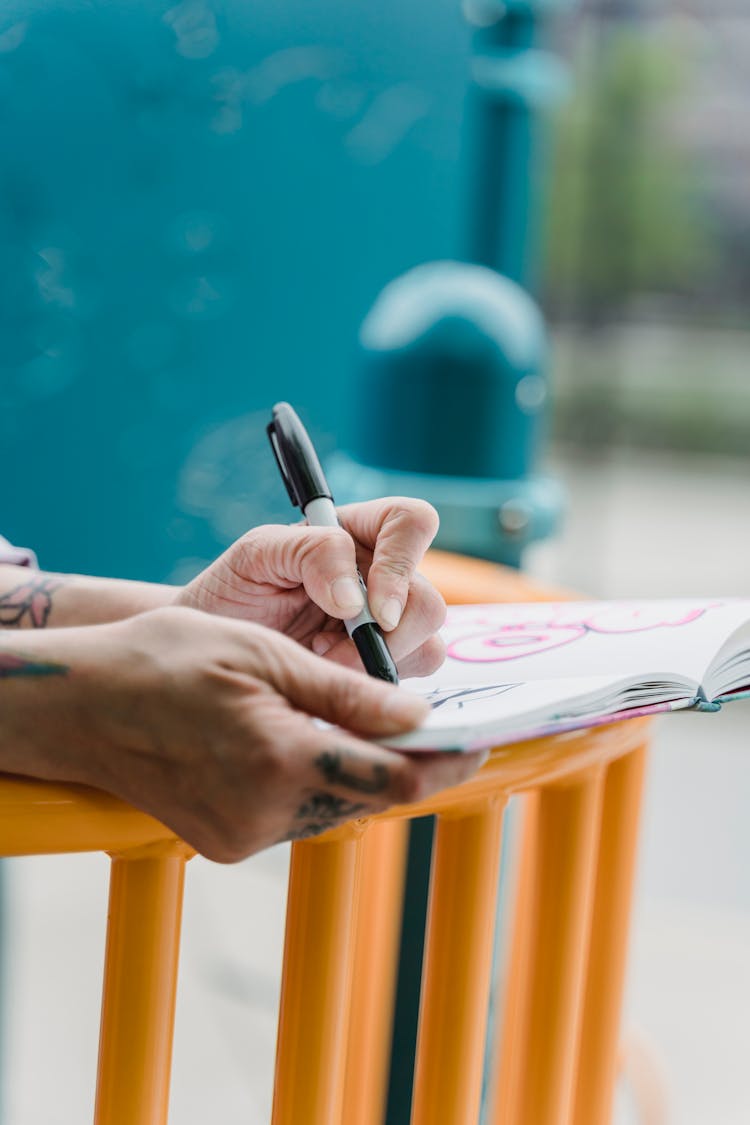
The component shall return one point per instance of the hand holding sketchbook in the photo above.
(521, 671)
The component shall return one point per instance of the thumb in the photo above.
(322, 559)
(361, 704)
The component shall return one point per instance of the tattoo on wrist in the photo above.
(335, 772)
(11, 664)
(29, 604)
(322, 811)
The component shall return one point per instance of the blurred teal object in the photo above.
(454, 387)
(451, 408)
(514, 83)
(451, 401)
(199, 202)
(455, 360)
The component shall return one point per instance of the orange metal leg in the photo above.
(376, 946)
(458, 963)
(609, 939)
(543, 1043)
(515, 980)
(316, 982)
(140, 983)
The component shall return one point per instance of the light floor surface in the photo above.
(630, 532)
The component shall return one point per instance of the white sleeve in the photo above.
(18, 556)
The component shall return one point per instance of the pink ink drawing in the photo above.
(512, 641)
(559, 625)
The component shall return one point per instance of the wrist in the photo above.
(38, 599)
(45, 720)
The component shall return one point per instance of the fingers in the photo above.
(339, 780)
(423, 661)
(427, 774)
(424, 614)
(361, 774)
(224, 750)
(414, 645)
(392, 535)
(322, 559)
(384, 777)
(398, 530)
(338, 694)
(349, 779)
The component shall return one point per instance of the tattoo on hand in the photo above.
(13, 665)
(29, 604)
(335, 772)
(322, 811)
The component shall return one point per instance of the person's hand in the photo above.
(302, 581)
(205, 724)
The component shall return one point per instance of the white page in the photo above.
(730, 668)
(514, 669)
(474, 717)
(674, 639)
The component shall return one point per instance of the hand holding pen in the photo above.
(308, 490)
(302, 581)
(222, 746)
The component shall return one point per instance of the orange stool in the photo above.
(557, 1049)
(143, 931)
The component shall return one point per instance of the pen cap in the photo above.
(296, 457)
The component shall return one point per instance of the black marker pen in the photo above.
(308, 489)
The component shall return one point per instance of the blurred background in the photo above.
(200, 207)
(647, 270)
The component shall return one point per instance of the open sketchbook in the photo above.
(521, 671)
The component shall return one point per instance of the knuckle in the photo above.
(253, 540)
(433, 655)
(434, 609)
(224, 843)
(248, 540)
(424, 518)
(251, 548)
(326, 543)
(401, 566)
(227, 852)
(415, 514)
(328, 539)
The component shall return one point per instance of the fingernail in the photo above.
(404, 706)
(390, 613)
(323, 643)
(347, 594)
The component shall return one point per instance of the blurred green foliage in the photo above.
(626, 210)
(661, 387)
(642, 255)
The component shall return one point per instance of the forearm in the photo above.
(44, 719)
(32, 599)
